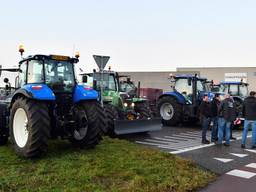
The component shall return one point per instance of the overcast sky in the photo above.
(139, 35)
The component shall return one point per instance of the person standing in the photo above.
(215, 104)
(205, 113)
(227, 115)
(249, 114)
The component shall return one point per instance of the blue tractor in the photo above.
(46, 102)
(182, 103)
(238, 90)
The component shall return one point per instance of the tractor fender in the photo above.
(82, 93)
(34, 91)
(179, 97)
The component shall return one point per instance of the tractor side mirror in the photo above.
(189, 82)
(6, 80)
(84, 79)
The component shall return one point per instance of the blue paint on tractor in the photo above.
(177, 95)
(84, 93)
(39, 91)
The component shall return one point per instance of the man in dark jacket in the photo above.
(215, 104)
(227, 115)
(249, 113)
(206, 113)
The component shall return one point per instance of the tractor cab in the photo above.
(191, 87)
(239, 89)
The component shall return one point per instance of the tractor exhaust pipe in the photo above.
(138, 89)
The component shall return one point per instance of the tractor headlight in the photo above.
(133, 104)
(125, 105)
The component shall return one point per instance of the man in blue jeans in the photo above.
(249, 113)
(227, 115)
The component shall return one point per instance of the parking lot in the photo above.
(234, 165)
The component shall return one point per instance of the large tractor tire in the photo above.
(3, 128)
(91, 124)
(143, 109)
(111, 116)
(29, 127)
(170, 111)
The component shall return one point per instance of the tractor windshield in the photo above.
(59, 75)
(108, 81)
(182, 86)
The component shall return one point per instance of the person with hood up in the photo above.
(249, 114)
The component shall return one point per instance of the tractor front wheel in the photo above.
(170, 111)
(143, 109)
(111, 116)
(91, 124)
(29, 127)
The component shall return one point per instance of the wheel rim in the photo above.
(20, 127)
(167, 111)
(82, 128)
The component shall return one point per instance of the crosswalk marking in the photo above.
(179, 142)
(251, 150)
(241, 173)
(251, 165)
(224, 160)
(239, 155)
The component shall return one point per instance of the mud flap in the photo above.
(137, 126)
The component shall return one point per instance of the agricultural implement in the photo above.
(126, 112)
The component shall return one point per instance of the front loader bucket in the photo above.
(137, 126)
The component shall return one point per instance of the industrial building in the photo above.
(160, 79)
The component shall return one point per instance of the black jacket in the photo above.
(205, 109)
(215, 104)
(227, 110)
(249, 108)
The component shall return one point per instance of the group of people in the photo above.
(222, 115)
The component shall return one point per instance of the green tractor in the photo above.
(126, 112)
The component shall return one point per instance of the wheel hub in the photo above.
(82, 126)
(167, 111)
(20, 127)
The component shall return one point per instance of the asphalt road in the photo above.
(235, 166)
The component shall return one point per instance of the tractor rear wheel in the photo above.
(143, 109)
(111, 116)
(29, 127)
(170, 111)
(91, 124)
(3, 128)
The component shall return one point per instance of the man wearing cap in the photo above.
(249, 114)
(206, 113)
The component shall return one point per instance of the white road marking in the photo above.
(223, 159)
(157, 141)
(175, 138)
(191, 148)
(242, 174)
(181, 142)
(251, 150)
(251, 165)
(239, 155)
